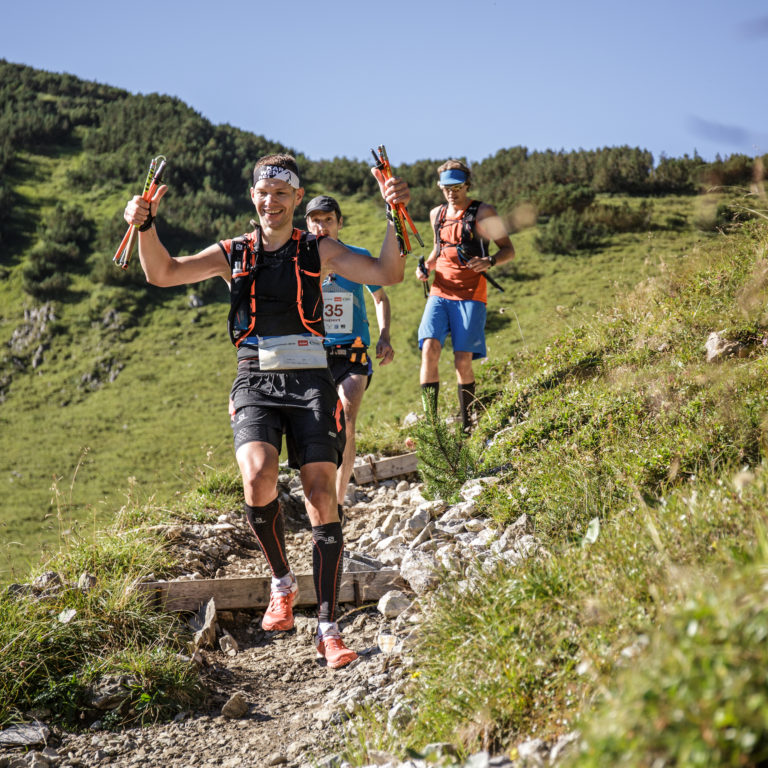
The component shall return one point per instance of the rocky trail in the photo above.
(272, 702)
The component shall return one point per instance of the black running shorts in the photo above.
(303, 405)
(341, 369)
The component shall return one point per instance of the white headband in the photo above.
(276, 172)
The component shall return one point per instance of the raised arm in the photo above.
(389, 268)
(160, 268)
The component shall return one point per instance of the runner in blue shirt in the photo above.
(347, 334)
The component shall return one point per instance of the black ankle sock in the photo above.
(267, 525)
(466, 402)
(429, 392)
(327, 567)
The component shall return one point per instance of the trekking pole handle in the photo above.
(424, 271)
(464, 260)
(123, 254)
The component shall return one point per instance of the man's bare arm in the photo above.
(490, 226)
(384, 349)
(431, 261)
(160, 268)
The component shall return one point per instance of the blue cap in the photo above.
(452, 176)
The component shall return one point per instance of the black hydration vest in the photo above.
(274, 294)
(471, 244)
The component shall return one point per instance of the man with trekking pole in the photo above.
(283, 384)
(463, 230)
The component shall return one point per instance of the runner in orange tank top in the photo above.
(463, 230)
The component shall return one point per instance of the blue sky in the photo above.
(428, 79)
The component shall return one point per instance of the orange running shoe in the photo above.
(279, 613)
(335, 653)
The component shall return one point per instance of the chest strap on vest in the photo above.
(477, 246)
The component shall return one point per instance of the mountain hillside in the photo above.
(111, 389)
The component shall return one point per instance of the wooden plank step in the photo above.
(381, 469)
(253, 591)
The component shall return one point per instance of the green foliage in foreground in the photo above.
(647, 634)
(700, 697)
(57, 647)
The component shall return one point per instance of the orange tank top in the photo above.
(453, 280)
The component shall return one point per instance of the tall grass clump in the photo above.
(639, 469)
(83, 626)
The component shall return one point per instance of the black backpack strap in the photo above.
(470, 215)
(439, 219)
(241, 289)
(310, 274)
(308, 249)
(469, 238)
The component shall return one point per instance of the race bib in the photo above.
(337, 310)
(286, 353)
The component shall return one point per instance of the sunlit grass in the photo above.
(622, 429)
(92, 624)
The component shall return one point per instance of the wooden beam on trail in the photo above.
(253, 591)
(373, 470)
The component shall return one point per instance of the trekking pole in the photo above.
(463, 259)
(425, 272)
(154, 176)
(399, 213)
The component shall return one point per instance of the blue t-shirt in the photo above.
(359, 315)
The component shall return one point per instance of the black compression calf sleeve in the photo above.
(466, 401)
(267, 525)
(327, 567)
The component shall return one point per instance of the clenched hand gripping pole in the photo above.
(123, 254)
(399, 212)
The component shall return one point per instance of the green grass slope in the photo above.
(125, 385)
(641, 469)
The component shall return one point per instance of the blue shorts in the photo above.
(463, 319)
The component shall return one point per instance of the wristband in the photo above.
(147, 224)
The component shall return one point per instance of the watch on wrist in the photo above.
(492, 259)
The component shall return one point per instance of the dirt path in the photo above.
(293, 704)
(271, 702)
